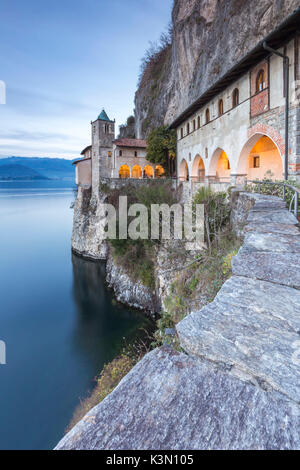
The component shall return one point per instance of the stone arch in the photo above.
(136, 171)
(159, 171)
(148, 172)
(219, 166)
(261, 157)
(124, 172)
(183, 170)
(198, 169)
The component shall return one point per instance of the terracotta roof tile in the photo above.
(133, 143)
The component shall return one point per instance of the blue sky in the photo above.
(62, 61)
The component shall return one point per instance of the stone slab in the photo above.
(274, 242)
(274, 216)
(265, 298)
(280, 268)
(170, 401)
(289, 229)
(258, 345)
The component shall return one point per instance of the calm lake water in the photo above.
(57, 317)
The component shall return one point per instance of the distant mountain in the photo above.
(19, 172)
(46, 168)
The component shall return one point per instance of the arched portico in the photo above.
(124, 172)
(219, 165)
(261, 157)
(183, 170)
(136, 171)
(148, 172)
(198, 169)
(159, 171)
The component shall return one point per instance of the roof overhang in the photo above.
(85, 149)
(276, 39)
(80, 161)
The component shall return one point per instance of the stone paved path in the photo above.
(253, 325)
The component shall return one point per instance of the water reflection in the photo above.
(102, 323)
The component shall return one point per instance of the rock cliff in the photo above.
(87, 242)
(209, 37)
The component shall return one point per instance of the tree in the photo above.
(161, 148)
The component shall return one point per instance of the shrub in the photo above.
(216, 213)
(110, 377)
(137, 256)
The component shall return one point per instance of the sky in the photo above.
(63, 61)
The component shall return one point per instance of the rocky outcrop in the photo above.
(209, 38)
(87, 236)
(129, 292)
(171, 401)
(238, 387)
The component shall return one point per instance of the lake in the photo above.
(58, 320)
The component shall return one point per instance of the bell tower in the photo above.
(103, 135)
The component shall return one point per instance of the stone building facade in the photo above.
(110, 158)
(236, 130)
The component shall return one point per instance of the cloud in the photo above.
(23, 135)
(29, 100)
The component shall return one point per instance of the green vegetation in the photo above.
(137, 257)
(216, 214)
(161, 148)
(197, 285)
(110, 377)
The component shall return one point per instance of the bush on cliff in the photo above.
(137, 257)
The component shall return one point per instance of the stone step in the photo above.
(266, 205)
(280, 216)
(289, 229)
(280, 268)
(246, 337)
(265, 298)
(282, 243)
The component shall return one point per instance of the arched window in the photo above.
(181, 133)
(199, 122)
(260, 81)
(124, 172)
(194, 124)
(235, 97)
(221, 107)
(148, 172)
(188, 128)
(136, 171)
(207, 116)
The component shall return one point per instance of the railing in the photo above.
(294, 203)
(204, 179)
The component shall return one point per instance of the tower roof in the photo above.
(103, 116)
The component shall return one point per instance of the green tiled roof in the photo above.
(103, 116)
